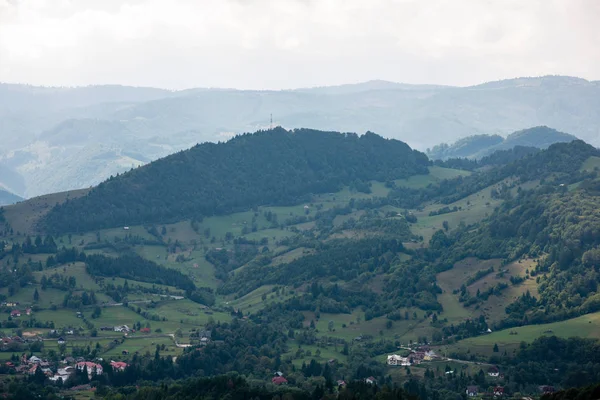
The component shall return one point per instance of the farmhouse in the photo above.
(499, 391)
(395, 359)
(15, 313)
(34, 360)
(279, 380)
(493, 371)
(28, 311)
(122, 328)
(61, 340)
(472, 391)
(63, 373)
(370, 380)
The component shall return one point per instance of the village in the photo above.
(422, 354)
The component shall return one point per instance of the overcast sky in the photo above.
(274, 44)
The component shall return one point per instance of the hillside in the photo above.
(275, 167)
(158, 122)
(325, 253)
(479, 146)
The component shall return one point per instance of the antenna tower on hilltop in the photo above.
(271, 126)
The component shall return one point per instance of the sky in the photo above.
(280, 44)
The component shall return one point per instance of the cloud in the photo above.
(292, 43)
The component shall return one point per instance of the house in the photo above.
(34, 360)
(9, 364)
(68, 360)
(125, 352)
(341, 383)
(15, 313)
(472, 391)
(204, 341)
(145, 330)
(493, 371)
(125, 228)
(499, 391)
(118, 365)
(70, 332)
(61, 340)
(278, 373)
(90, 367)
(449, 372)
(395, 359)
(279, 380)
(63, 373)
(370, 380)
(546, 389)
(28, 311)
(121, 328)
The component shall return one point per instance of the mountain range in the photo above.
(57, 139)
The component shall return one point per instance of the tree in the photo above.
(445, 225)
(496, 347)
(36, 296)
(330, 325)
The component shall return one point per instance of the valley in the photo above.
(342, 270)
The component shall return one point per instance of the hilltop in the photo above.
(275, 167)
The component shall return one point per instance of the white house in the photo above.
(395, 359)
(34, 360)
(122, 328)
(493, 371)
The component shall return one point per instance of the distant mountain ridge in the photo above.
(479, 146)
(7, 198)
(147, 123)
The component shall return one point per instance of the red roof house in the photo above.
(15, 313)
(279, 380)
(118, 365)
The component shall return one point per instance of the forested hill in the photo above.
(478, 146)
(274, 167)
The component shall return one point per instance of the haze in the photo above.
(260, 44)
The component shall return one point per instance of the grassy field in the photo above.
(253, 302)
(591, 164)
(471, 209)
(321, 354)
(586, 326)
(435, 175)
(494, 307)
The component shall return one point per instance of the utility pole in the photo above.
(271, 126)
